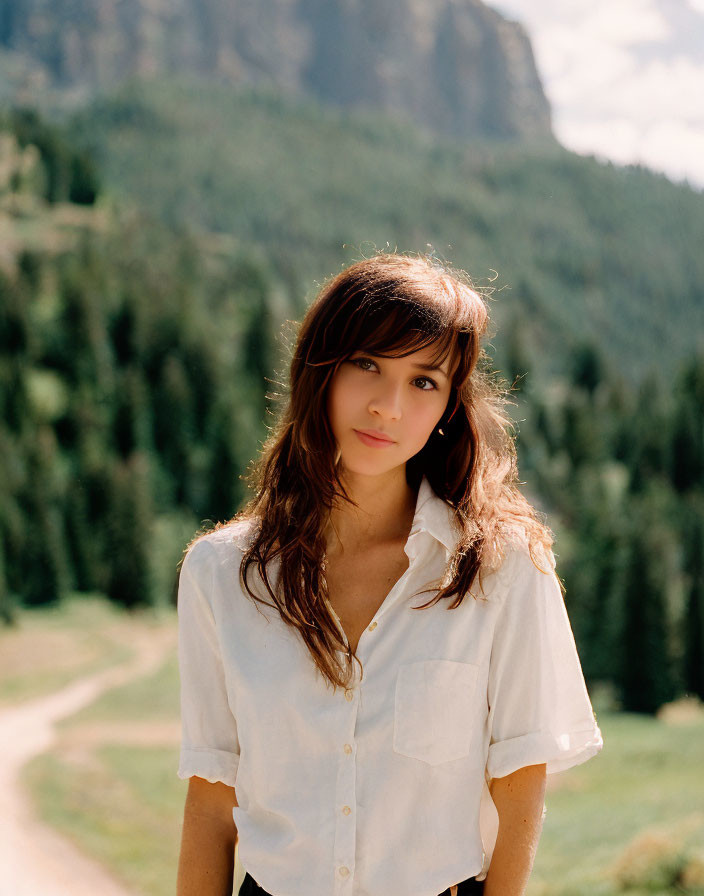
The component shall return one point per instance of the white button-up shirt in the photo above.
(379, 789)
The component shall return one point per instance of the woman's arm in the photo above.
(207, 859)
(519, 799)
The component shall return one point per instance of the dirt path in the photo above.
(36, 860)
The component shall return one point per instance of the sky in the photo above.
(625, 78)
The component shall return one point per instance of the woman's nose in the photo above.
(387, 401)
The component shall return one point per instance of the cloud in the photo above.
(620, 79)
(672, 147)
(573, 66)
(626, 22)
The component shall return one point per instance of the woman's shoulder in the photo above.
(226, 541)
(516, 558)
(521, 549)
(213, 559)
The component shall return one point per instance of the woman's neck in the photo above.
(386, 505)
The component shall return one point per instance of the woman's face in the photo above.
(395, 398)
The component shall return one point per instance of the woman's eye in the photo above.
(429, 385)
(361, 361)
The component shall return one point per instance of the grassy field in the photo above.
(629, 821)
(632, 819)
(50, 647)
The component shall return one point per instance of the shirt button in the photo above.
(344, 871)
(346, 810)
(349, 695)
(347, 748)
(372, 626)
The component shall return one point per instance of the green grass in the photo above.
(626, 822)
(644, 778)
(123, 807)
(154, 698)
(50, 647)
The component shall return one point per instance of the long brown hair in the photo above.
(390, 304)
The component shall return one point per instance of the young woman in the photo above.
(377, 668)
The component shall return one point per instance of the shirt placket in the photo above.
(345, 793)
(345, 796)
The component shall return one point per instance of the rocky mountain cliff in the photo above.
(454, 66)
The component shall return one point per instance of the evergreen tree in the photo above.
(7, 604)
(587, 367)
(47, 574)
(582, 439)
(644, 673)
(543, 425)
(16, 345)
(31, 265)
(13, 395)
(232, 436)
(174, 426)
(89, 506)
(83, 180)
(516, 354)
(593, 594)
(206, 377)
(70, 173)
(129, 525)
(132, 426)
(258, 356)
(123, 332)
(687, 454)
(76, 344)
(84, 547)
(15, 331)
(649, 431)
(618, 417)
(693, 619)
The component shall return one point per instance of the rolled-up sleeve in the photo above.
(539, 708)
(209, 743)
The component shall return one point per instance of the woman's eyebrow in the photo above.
(431, 367)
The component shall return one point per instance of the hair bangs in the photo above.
(399, 328)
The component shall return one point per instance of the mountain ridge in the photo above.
(456, 67)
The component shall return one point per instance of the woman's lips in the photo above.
(373, 441)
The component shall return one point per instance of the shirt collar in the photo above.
(434, 516)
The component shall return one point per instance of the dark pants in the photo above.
(466, 888)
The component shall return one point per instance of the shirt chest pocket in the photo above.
(433, 710)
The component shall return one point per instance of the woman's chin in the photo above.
(352, 464)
